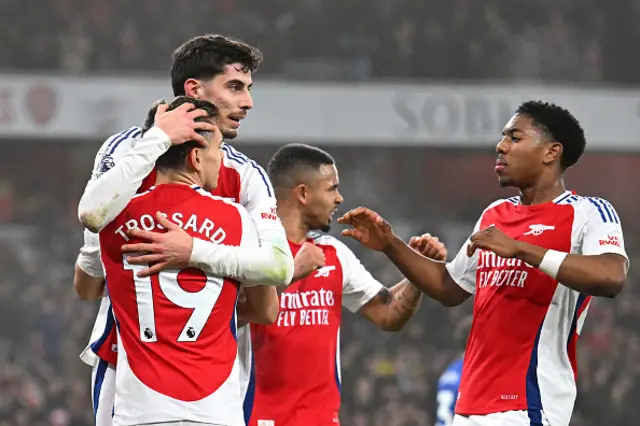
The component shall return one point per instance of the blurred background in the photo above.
(409, 96)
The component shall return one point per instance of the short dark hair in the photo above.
(292, 158)
(206, 56)
(150, 120)
(174, 158)
(560, 126)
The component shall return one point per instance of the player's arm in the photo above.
(449, 284)
(86, 286)
(105, 198)
(243, 310)
(597, 275)
(434, 278)
(88, 277)
(600, 269)
(260, 305)
(269, 264)
(272, 263)
(393, 307)
(256, 303)
(177, 249)
(388, 309)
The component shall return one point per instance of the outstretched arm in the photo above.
(431, 277)
(393, 307)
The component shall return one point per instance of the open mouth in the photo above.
(236, 119)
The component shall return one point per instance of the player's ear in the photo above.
(553, 152)
(301, 193)
(192, 88)
(195, 159)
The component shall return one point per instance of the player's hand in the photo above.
(494, 240)
(369, 228)
(180, 125)
(169, 250)
(429, 246)
(309, 258)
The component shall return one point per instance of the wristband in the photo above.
(551, 262)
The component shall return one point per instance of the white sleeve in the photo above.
(249, 239)
(108, 194)
(358, 285)
(89, 258)
(248, 263)
(602, 232)
(462, 268)
(112, 151)
(272, 262)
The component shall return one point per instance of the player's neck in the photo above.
(292, 223)
(180, 177)
(542, 192)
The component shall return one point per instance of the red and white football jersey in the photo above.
(177, 350)
(293, 369)
(241, 180)
(521, 352)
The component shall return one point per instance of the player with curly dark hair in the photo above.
(533, 262)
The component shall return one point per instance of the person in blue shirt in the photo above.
(449, 381)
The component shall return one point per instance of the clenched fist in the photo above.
(429, 246)
(309, 258)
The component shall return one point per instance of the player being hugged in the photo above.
(533, 263)
(213, 68)
(177, 350)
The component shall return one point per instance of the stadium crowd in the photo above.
(554, 40)
(388, 379)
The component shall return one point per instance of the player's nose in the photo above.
(247, 102)
(501, 148)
